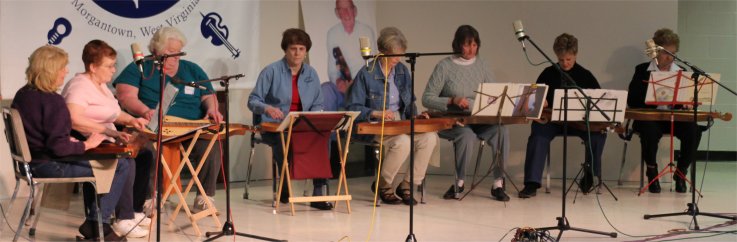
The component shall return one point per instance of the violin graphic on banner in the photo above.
(61, 29)
(212, 26)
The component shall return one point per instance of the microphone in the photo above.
(652, 50)
(137, 57)
(176, 80)
(365, 44)
(519, 31)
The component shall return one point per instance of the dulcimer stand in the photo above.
(321, 124)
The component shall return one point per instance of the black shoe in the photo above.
(680, 184)
(388, 197)
(451, 193)
(654, 187)
(586, 182)
(499, 194)
(321, 205)
(88, 229)
(529, 191)
(407, 198)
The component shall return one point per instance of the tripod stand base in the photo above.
(228, 231)
(693, 211)
(563, 225)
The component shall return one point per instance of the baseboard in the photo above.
(719, 156)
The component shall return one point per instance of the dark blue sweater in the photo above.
(47, 123)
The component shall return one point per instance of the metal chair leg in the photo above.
(621, 166)
(10, 205)
(35, 211)
(547, 174)
(99, 213)
(26, 211)
(421, 189)
(248, 172)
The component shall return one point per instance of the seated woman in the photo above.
(47, 125)
(284, 86)
(94, 109)
(367, 96)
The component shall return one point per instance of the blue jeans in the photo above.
(538, 147)
(58, 169)
(465, 140)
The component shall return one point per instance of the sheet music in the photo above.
(521, 99)
(670, 88)
(611, 102)
(170, 92)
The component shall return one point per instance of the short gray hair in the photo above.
(391, 39)
(158, 42)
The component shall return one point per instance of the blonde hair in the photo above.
(158, 42)
(44, 65)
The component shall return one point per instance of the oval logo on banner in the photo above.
(135, 8)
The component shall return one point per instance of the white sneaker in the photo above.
(201, 204)
(128, 228)
(144, 221)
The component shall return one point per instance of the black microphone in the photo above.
(365, 44)
(176, 80)
(137, 57)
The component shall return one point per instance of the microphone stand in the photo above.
(563, 224)
(411, 59)
(692, 207)
(228, 228)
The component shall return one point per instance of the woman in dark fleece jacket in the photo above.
(47, 124)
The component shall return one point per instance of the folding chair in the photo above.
(21, 157)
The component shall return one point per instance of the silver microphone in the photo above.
(137, 57)
(652, 50)
(365, 44)
(519, 31)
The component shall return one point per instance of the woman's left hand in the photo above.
(214, 115)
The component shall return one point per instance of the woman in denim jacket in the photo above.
(284, 86)
(367, 96)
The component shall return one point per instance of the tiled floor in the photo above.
(476, 218)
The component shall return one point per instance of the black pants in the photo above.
(688, 133)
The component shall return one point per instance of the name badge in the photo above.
(188, 90)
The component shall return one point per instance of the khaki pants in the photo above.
(396, 152)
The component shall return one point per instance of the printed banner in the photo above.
(219, 33)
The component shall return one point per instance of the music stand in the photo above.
(693, 209)
(490, 100)
(670, 89)
(568, 83)
(608, 106)
(320, 124)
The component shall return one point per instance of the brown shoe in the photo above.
(406, 196)
(388, 197)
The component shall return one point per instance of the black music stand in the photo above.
(228, 228)
(412, 60)
(568, 83)
(615, 108)
(692, 207)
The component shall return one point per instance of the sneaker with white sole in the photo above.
(201, 204)
(128, 228)
(144, 221)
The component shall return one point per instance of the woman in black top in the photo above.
(651, 131)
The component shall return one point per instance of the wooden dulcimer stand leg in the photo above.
(174, 176)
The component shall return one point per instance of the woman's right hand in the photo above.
(461, 102)
(93, 141)
(274, 113)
